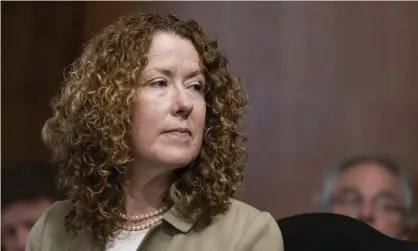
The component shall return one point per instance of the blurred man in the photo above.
(27, 191)
(370, 188)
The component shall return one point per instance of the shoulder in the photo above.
(55, 215)
(59, 210)
(244, 214)
(252, 228)
(50, 227)
(242, 208)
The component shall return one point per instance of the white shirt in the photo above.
(127, 241)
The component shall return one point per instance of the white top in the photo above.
(127, 241)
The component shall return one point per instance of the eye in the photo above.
(347, 198)
(388, 205)
(197, 86)
(9, 231)
(159, 83)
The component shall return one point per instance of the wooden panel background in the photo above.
(38, 41)
(325, 80)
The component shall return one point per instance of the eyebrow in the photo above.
(346, 190)
(388, 194)
(171, 74)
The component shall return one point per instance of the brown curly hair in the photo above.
(90, 129)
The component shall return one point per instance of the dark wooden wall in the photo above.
(38, 41)
(325, 80)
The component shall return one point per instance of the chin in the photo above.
(176, 161)
(179, 163)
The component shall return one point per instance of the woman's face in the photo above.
(169, 114)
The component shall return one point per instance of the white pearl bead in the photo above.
(149, 224)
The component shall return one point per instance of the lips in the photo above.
(180, 130)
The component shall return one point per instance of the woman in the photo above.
(146, 132)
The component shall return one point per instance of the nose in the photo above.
(182, 103)
(367, 214)
(21, 238)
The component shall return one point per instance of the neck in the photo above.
(144, 189)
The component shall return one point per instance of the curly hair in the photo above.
(90, 129)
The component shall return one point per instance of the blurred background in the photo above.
(326, 80)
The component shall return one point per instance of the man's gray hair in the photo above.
(324, 196)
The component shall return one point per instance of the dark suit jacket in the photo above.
(331, 232)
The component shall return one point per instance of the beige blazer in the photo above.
(242, 228)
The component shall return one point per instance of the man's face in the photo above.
(372, 194)
(17, 221)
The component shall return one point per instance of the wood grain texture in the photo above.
(326, 80)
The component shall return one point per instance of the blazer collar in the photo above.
(174, 218)
(83, 240)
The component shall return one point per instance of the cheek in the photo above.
(145, 116)
(390, 225)
(200, 117)
(391, 229)
(140, 129)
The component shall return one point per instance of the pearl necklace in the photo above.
(151, 223)
(157, 215)
(137, 218)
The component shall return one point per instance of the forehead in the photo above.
(169, 48)
(369, 179)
